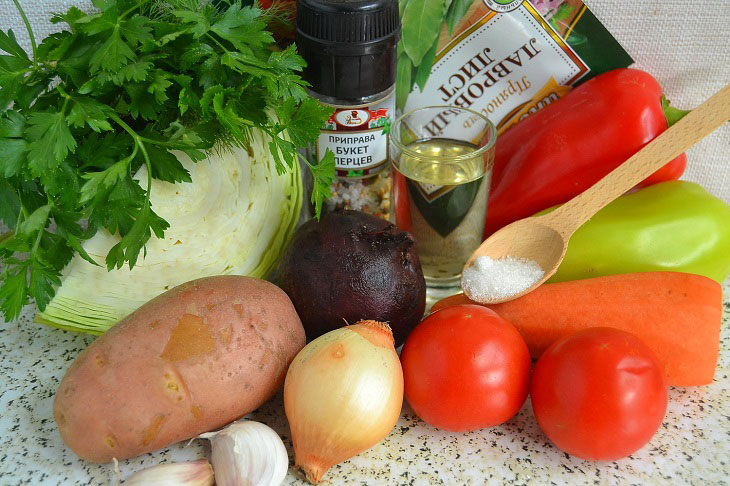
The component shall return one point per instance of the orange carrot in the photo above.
(678, 315)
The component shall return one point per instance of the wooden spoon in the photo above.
(544, 239)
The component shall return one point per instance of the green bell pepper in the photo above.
(672, 226)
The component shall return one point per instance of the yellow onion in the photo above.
(343, 394)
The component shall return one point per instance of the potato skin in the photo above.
(190, 360)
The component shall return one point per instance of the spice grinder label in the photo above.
(358, 136)
(499, 63)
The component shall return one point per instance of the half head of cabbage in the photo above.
(235, 217)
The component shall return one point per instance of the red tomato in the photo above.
(599, 394)
(465, 368)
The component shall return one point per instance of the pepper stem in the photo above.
(672, 114)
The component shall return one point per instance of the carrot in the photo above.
(678, 315)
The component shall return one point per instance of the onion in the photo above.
(342, 395)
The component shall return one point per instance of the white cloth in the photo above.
(685, 45)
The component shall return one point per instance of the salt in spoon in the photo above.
(544, 239)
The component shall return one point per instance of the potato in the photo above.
(191, 360)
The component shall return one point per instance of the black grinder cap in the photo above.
(349, 46)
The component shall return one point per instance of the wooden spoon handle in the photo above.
(699, 123)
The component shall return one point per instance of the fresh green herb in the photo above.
(422, 22)
(115, 93)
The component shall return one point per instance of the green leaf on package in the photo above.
(456, 12)
(404, 72)
(421, 25)
(424, 69)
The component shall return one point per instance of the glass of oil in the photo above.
(442, 158)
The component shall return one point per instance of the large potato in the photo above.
(191, 360)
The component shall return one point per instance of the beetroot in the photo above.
(351, 266)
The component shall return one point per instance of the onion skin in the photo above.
(351, 266)
(342, 395)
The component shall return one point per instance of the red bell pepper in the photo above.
(563, 149)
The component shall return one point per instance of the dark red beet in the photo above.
(351, 266)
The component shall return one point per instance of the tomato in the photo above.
(465, 368)
(599, 393)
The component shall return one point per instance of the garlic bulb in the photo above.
(248, 453)
(198, 473)
(343, 394)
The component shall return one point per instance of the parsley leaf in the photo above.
(43, 281)
(9, 44)
(200, 24)
(302, 121)
(13, 291)
(87, 111)
(243, 27)
(167, 167)
(98, 182)
(134, 71)
(128, 249)
(136, 30)
(323, 174)
(33, 223)
(285, 83)
(9, 203)
(112, 54)
(12, 155)
(51, 141)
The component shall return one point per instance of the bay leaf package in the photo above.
(503, 58)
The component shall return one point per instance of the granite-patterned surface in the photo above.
(692, 446)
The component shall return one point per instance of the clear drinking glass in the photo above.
(442, 163)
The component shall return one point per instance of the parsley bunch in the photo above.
(117, 91)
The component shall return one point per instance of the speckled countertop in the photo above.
(692, 446)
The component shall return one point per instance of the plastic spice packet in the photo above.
(504, 58)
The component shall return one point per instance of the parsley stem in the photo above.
(138, 143)
(38, 240)
(217, 42)
(148, 163)
(22, 215)
(129, 11)
(40, 235)
(30, 31)
(62, 91)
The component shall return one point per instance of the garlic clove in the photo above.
(197, 473)
(248, 453)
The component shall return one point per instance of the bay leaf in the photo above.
(403, 83)
(424, 69)
(456, 12)
(421, 23)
